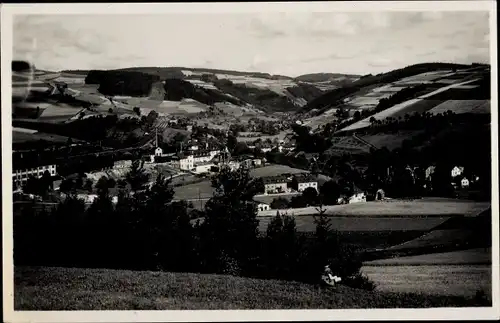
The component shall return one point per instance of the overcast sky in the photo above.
(278, 43)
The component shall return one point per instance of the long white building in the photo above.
(22, 175)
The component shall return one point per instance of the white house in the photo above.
(457, 171)
(263, 207)
(275, 185)
(21, 175)
(186, 163)
(158, 152)
(357, 196)
(464, 182)
(304, 181)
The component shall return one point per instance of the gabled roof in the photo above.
(274, 179)
(305, 178)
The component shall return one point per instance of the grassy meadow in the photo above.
(50, 288)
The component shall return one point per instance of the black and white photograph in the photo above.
(265, 157)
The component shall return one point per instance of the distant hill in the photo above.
(169, 72)
(324, 77)
(333, 97)
(263, 91)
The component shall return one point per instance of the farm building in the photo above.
(457, 171)
(275, 184)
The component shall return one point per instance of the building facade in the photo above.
(464, 182)
(302, 181)
(22, 175)
(457, 171)
(263, 207)
(275, 185)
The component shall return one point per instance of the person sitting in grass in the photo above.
(328, 277)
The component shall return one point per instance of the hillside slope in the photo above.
(361, 85)
(264, 91)
(46, 288)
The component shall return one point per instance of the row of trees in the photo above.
(145, 230)
(122, 82)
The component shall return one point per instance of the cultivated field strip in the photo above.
(459, 106)
(461, 257)
(402, 107)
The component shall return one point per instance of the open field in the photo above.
(279, 136)
(390, 141)
(193, 191)
(346, 144)
(406, 107)
(461, 106)
(459, 280)
(462, 257)
(24, 136)
(59, 111)
(381, 115)
(413, 209)
(421, 207)
(424, 77)
(417, 107)
(306, 223)
(275, 170)
(51, 288)
(438, 238)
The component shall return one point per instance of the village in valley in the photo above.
(199, 155)
(171, 184)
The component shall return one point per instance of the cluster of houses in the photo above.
(283, 184)
(458, 177)
(204, 159)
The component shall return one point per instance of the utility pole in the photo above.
(156, 137)
(199, 199)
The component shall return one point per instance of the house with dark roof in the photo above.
(302, 181)
(276, 184)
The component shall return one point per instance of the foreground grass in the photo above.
(435, 279)
(45, 288)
